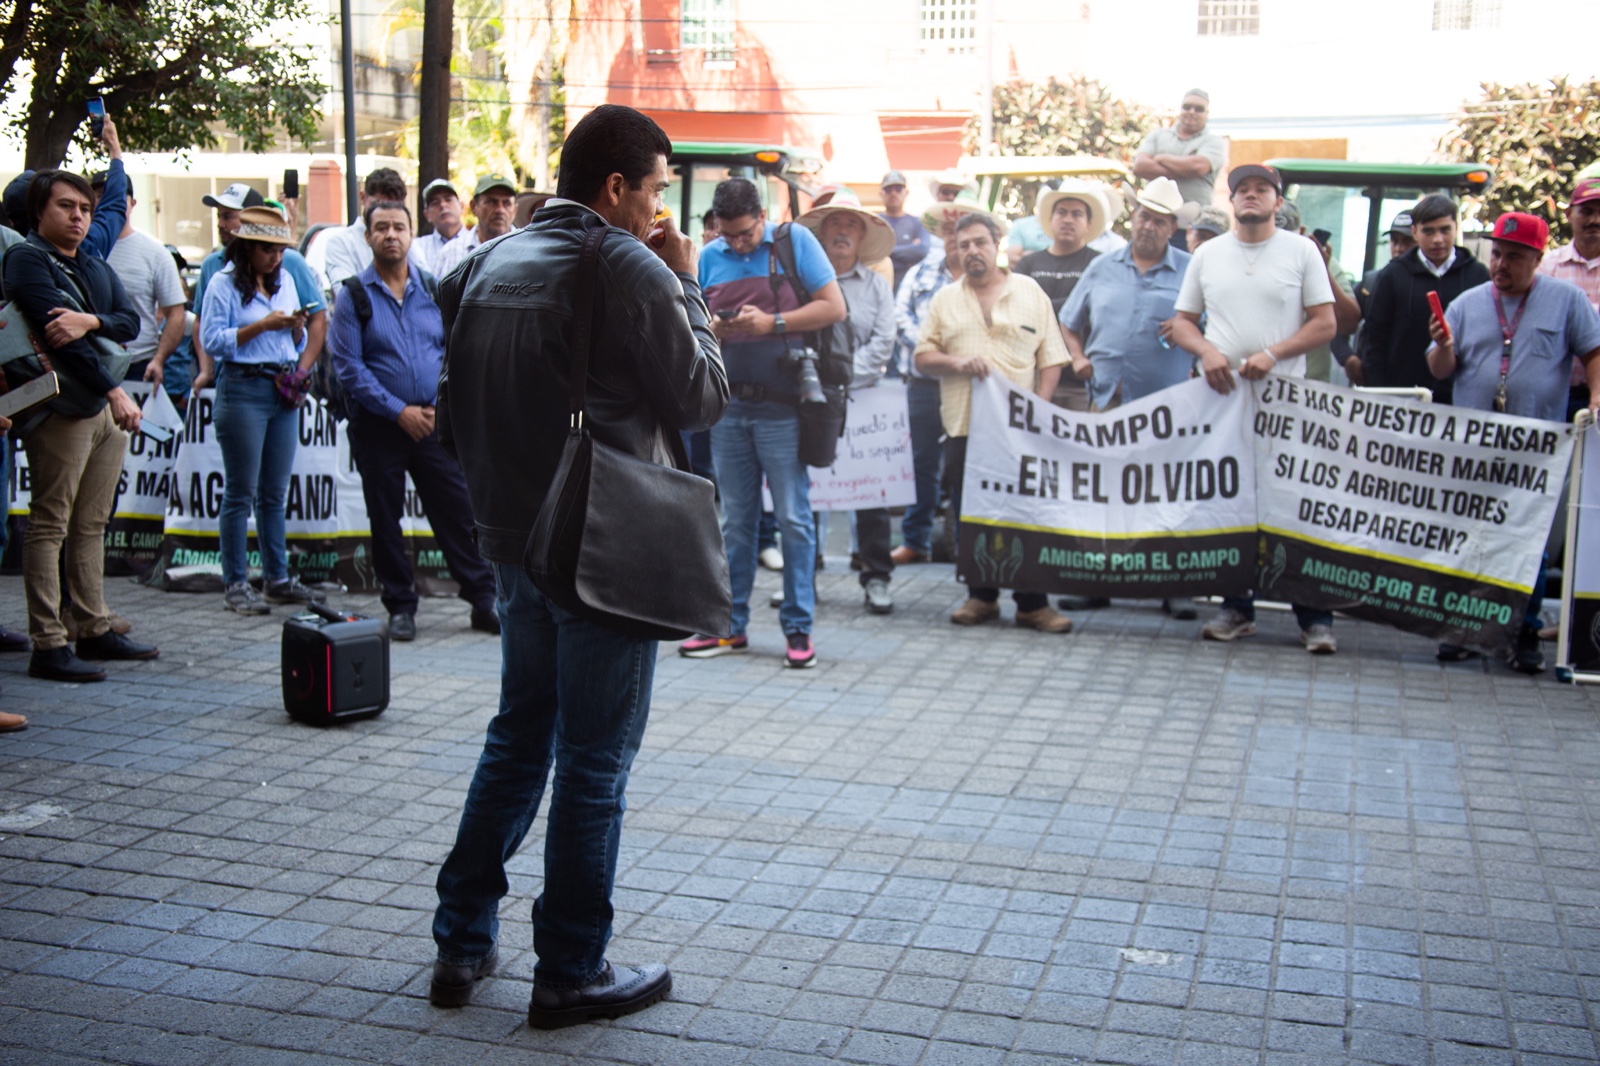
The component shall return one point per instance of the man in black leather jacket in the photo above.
(574, 694)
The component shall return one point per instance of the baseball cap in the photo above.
(1519, 227)
(1288, 216)
(1212, 220)
(1401, 223)
(1253, 170)
(235, 197)
(1586, 191)
(435, 185)
(491, 181)
(894, 177)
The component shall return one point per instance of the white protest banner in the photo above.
(1430, 518)
(873, 467)
(135, 531)
(1581, 585)
(1153, 499)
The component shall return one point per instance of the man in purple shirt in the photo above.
(388, 344)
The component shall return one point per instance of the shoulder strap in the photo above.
(359, 299)
(583, 323)
(783, 252)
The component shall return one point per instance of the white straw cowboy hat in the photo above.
(1160, 195)
(879, 240)
(265, 225)
(951, 178)
(939, 213)
(1091, 196)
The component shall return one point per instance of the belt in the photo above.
(751, 393)
(256, 370)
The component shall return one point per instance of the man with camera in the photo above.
(851, 235)
(992, 321)
(769, 345)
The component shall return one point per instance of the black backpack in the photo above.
(324, 381)
(835, 352)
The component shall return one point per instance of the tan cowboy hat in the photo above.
(879, 240)
(1090, 195)
(265, 225)
(938, 214)
(951, 178)
(1161, 195)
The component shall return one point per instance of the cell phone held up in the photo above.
(291, 184)
(728, 313)
(1438, 312)
(97, 117)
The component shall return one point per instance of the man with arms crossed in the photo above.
(1268, 302)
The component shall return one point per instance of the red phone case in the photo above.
(1438, 311)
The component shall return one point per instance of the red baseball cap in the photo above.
(1586, 191)
(1519, 227)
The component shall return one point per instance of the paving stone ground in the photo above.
(939, 846)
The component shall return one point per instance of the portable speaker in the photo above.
(335, 666)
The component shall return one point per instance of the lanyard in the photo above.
(1507, 332)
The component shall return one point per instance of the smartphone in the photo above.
(727, 313)
(24, 398)
(1438, 311)
(155, 431)
(291, 185)
(1322, 236)
(97, 117)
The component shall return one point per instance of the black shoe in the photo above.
(59, 664)
(1527, 658)
(1455, 653)
(452, 984)
(11, 640)
(1181, 608)
(1083, 603)
(617, 991)
(402, 627)
(486, 620)
(113, 645)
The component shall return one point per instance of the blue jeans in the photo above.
(744, 448)
(258, 436)
(1533, 614)
(573, 696)
(1306, 616)
(922, 398)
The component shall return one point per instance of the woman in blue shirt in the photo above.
(254, 329)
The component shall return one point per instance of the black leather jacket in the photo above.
(654, 366)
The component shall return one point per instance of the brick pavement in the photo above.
(940, 846)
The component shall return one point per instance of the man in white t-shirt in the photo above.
(150, 277)
(1267, 301)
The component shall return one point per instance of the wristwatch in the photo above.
(778, 325)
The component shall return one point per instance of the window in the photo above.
(708, 24)
(1466, 14)
(949, 26)
(1230, 18)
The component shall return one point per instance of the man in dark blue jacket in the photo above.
(74, 458)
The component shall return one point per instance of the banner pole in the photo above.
(1569, 552)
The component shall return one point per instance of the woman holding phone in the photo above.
(254, 331)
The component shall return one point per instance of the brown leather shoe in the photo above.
(904, 556)
(1045, 620)
(10, 723)
(975, 612)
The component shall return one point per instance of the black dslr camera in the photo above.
(803, 361)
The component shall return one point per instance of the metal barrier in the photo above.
(1564, 671)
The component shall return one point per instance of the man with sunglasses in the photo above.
(1186, 153)
(1508, 346)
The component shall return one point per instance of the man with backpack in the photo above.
(388, 342)
(770, 288)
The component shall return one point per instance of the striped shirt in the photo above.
(394, 361)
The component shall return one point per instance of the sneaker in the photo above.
(1229, 624)
(700, 646)
(291, 590)
(876, 594)
(1045, 620)
(771, 558)
(242, 599)
(1318, 640)
(1181, 608)
(801, 654)
(1526, 658)
(1084, 603)
(975, 612)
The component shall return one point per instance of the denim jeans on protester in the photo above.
(574, 699)
(744, 448)
(1306, 616)
(922, 399)
(258, 436)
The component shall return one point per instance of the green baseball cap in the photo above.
(493, 181)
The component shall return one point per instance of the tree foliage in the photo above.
(1537, 138)
(171, 71)
(1077, 116)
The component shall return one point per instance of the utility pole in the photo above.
(986, 113)
(347, 63)
(433, 126)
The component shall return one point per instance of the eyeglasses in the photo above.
(1197, 108)
(749, 231)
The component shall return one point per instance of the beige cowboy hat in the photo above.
(1089, 194)
(953, 179)
(879, 240)
(938, 214)
(265, 225)
(1160, 195)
